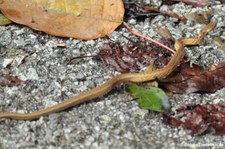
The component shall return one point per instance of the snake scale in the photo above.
(122, 78)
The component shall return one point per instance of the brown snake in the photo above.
(110, 84)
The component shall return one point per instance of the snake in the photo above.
(119, 79)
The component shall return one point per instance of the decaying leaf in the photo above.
(186, 79)
(133, 57)
(83, 19)
(200, 119)
(8, 80)
(152, 99)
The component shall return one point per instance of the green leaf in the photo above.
(4, 20)
(153, 98)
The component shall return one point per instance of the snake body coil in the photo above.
(110, 84)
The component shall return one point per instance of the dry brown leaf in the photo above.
(82, 19)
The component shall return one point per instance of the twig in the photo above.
(147, 38)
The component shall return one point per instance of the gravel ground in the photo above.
(112, 121)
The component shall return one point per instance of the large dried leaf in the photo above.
(83, 19)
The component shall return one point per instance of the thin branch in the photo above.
(148, 38)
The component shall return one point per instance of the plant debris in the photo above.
(219, 42)
(134, 56)
(164, 12)
(199, 119)
(8, 80)
(143, 11)
(187, 79)
(200, 17)
(195, 3)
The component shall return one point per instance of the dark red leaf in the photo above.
(133, 57)
(200, 119)
(7, 80)
(186, 79)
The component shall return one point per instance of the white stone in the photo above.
(6, 62)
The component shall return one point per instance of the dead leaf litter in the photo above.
(112, 121)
